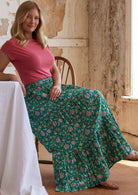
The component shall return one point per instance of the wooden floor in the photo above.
(124, 173)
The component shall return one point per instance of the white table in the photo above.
(19, 169)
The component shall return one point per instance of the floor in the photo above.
(124, 173)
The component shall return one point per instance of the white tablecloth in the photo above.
(19, 169)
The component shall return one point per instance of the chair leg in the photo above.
(37, 148)
(41, 161)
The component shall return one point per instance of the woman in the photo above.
(75, 124)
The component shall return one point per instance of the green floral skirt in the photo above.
(80, 131)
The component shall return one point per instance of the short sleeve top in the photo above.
(32, 62)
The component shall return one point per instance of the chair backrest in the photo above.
(66, 69)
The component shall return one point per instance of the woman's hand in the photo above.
(15, 78)
(55, 92)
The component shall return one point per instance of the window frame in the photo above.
(128, 69)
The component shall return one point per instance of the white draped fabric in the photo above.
(19, 168)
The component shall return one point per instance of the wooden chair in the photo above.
(67, 77)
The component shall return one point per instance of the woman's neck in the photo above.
(29, 36)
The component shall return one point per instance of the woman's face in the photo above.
(31, 22)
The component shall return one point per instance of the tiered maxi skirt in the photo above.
(80, 131)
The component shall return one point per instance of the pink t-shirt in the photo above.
(32, 62)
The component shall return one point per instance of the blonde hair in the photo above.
(17, 27)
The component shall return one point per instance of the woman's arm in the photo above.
(55, 91)
(4, 61)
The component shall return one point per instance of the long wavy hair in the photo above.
(17, 27)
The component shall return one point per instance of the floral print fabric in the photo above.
(80, 131)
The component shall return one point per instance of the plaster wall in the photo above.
(107, 61)
(75, 27)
